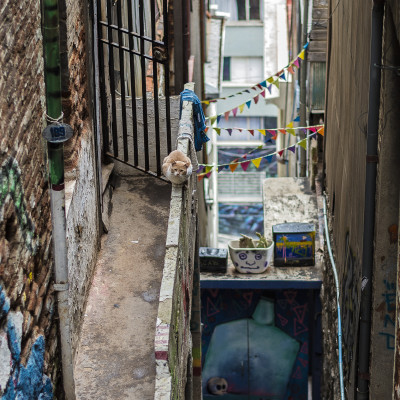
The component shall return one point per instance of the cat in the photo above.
(177, 167)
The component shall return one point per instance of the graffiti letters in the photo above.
(388, 307)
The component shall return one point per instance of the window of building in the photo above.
(243, 69)
(241, 10)
(226, 74)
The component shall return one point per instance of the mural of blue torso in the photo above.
(258, 366)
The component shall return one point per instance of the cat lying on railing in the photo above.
(177, 167)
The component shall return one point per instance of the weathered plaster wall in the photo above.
(173, 342)
(346, 127)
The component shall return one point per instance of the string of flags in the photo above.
(273, 132)
(205, 170)
(263, 86)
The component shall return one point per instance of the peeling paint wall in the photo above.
(173, 342)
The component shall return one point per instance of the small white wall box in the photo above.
(213, 260)
(294, 244)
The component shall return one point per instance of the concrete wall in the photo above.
(173, 342)
(346, 126)
(244, 40)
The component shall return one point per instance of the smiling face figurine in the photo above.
(250, 261)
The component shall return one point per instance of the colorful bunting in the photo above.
(241, 107)
(302, 54)
(256, 99)
(227, 115)
(321, 131)
(256, 162)
(234, 111)
(233, 166)
(303, 143)
(263, 94)
(248, 103)
(245, 165)
(292, 149)
(296, 62)
(208, 168)
(218, 130)
(276, 83)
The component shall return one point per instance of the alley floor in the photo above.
(116, 355)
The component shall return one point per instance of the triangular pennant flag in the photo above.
(282, 76)
(251, 131)
(232, 95)
(212, 120)
(245, 165)
(217, 130)
(282, 131)
(253, 88)
(239, 129)
(256, 99)
(263, 94)
(200, 177)
(206, 102)
(209, 174)
(246, 91)
(239, 93)
(303, 144)
(292, 148)
(290, 69)
(290, 125)
(272, 132)
(262, 131)
(227, 115)
(201, 167)
(263, 83)
(291, 131)
(206, 130)
(248, 103)
(280, 152)
(241, 108)
(312, 129)
(233, 167)
(297, 119)
(306, 45)
(213, 101)
(259, 86)
(208, 168)
(269, 158)
(276, 83)
(229, 131)
(220, 167)
(270, 79)
(256, 162)
(296, 62)
(245, 156)
(321, 131)
(218, 118)
(302, 53)
(234, 111)
(269, 88)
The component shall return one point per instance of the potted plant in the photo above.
(251, 256)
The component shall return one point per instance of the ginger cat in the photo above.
(177, 167)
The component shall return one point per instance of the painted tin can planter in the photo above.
(250, 260)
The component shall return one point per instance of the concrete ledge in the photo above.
(172, 344)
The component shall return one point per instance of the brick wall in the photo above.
(27, 307)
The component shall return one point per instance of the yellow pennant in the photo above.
(276, 83)
(208, 168)
(256, 162)
(270, 80)
(262, 131)
(290, 124)
(291, 131)
(241, 107)
(302, 53)
(218, 130)
(303, 144)
(205, 102)
(233, 167)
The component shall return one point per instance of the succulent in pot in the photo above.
(251, 256)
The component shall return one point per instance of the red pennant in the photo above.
(251, 131)
(259, 86)
(245, 165)
(256, 99)
(200, 177)
(280, 152)
(312, 129)
(282, 131)
(205, 130)
(227, 115)
(254, 88)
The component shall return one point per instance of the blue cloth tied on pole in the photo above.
(200, 136)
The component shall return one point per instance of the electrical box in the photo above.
(294, 244)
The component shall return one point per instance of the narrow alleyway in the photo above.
(116, 355)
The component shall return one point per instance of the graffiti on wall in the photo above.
(11, 189)
(349, 308)
(251, 334)
(19, 381)
(388, 310)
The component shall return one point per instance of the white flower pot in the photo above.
(250, 260)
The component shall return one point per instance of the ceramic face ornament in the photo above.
(252, 260)
(217, 386)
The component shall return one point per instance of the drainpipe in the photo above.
(56, 133)
(369, 200)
